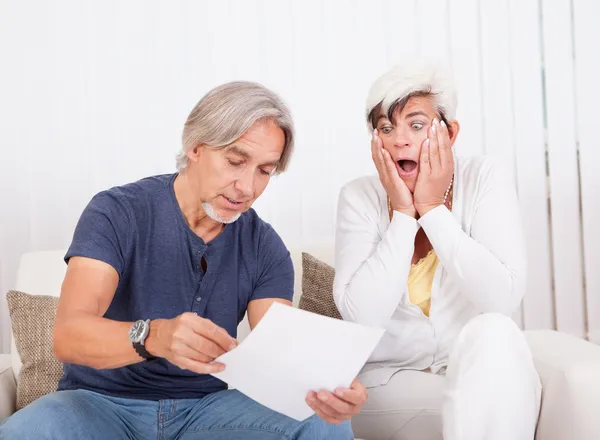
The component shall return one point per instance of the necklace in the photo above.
(448, 192)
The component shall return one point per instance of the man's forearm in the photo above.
(93, 341)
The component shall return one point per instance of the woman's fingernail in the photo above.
(323, 397)
(427, 142)
(443, 124)
(433, 127)
(375, 133)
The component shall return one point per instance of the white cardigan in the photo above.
(480, 246)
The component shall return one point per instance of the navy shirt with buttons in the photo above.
(140, 230)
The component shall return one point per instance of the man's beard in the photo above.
(210, 211)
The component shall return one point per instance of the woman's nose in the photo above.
(402, 139)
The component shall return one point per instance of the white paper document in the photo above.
(292, 352)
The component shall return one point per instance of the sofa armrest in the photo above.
(569, 369)
(8, 387)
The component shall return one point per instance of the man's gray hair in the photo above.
(225, 113)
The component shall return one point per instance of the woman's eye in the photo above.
(265, 172)
(235, 164)
(386, 129)
(417, 126)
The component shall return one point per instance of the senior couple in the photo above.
(162, 270)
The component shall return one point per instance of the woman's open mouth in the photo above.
(407, 167)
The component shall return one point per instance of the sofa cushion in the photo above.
(317, 287)
(32, 318)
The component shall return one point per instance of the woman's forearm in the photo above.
(491, 284)
(371, 276)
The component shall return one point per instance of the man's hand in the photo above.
(400, 196)
(189, 342)
(436, 169)
(338, 406)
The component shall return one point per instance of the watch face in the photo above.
(137, 330)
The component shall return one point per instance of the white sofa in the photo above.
(568, 367)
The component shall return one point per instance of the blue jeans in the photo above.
(80, 414)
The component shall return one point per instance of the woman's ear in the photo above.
(453, 129)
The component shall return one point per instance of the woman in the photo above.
(432, 249)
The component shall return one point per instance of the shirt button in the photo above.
(198, 298)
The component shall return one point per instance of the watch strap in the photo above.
(141, 350)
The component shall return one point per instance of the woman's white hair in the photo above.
(226, 112)
(412, 78)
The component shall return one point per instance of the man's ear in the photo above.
(453, 129)
(195, 153)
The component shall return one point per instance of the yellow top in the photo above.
(420, 280)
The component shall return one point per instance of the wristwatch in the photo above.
(137, 336)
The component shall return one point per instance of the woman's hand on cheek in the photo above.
(436, 167)
(400, 196)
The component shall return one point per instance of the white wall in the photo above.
(94, 94)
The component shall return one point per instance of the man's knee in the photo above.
(52, 416)
(41, 419)
(317, 428)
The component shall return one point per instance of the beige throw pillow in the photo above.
(317, 287)
(32, 318)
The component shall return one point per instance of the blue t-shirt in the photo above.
(140, 230)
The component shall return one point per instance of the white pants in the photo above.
(491, 391)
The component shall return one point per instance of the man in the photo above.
(160, 273)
